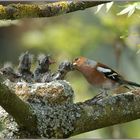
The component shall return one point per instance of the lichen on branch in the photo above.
(59, 117)
(52, 104)
(114, 109)
(17, 11)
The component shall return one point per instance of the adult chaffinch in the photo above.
(100, 75)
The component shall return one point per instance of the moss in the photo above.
(2, 12)
(56, 121)
(15, 11)
(57, 115)
(53, 105)
(64, 7)
(54, 9)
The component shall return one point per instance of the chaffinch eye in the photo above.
(76, 59)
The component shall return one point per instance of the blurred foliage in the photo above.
(104, 36)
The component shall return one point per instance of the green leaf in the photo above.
(108, 6)
(129, 9)
(131, 12)
(99, 8)
(138, 6)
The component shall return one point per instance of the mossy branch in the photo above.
(17, 11)
(21, 111)
(109, 111)
(54, 101)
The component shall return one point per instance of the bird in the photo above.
(63, 69)
(8, 72)
(42, 71)
(25, 61)
(100, 75)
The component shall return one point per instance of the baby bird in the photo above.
(8, 72)
(25, 61)
(63, 69)
(42, 71)
(100, 75)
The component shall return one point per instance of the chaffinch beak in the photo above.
(74, 64)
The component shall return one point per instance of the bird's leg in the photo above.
(95, 98)
(105, 93)
(101, 95)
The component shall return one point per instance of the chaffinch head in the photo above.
(100, 75)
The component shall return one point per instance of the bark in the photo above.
(17, 11)
(112, 110)
(57, 116)
(18, 109)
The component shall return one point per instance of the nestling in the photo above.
(8, 72)
(100, 75)
(25, 61)
(42, 71)
(63, 69)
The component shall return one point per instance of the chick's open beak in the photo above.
(51, 62)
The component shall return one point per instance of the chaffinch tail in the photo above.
(100, 75)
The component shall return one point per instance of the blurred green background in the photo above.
(105, 37)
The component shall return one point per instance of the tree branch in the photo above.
(17, 11)
(115, 109)
(21, 111)
(56, 114)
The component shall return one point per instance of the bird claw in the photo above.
(97, 98)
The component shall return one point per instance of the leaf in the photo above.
(125, 34)
(99, 8)
(138, 6)
(108, 6)
(138, 51)
(130, 10)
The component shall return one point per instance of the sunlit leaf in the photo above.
(130, 10)
(138, 6)
(108, 6)
(99, 8)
